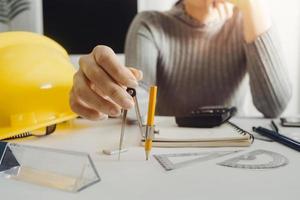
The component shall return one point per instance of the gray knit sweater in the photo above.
(203, 65)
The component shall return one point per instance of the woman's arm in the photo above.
(270, 86)
(141, 51)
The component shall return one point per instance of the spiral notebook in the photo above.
(226, 135)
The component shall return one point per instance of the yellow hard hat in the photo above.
(35, 79)
(19, 37)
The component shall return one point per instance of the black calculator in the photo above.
(206, 117)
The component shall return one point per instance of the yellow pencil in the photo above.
(150, 120)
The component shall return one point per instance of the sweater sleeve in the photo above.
(269, 83)
(140, 49)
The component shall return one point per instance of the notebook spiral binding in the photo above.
(241, 131)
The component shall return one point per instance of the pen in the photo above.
(150, 121)
(278, 137)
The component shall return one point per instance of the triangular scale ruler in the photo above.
(172, 161)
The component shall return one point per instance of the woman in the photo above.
(199, 53)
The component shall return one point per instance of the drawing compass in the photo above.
(131, 92)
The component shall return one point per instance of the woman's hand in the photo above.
(256, 17)
(99, 85)
(237, 3)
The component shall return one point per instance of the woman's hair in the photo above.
(178, 2)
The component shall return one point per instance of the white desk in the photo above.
(204, 180)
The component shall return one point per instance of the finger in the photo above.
(138, 74)
(100, 93)
(226, 10)
(107, 59)
(101, 80)
(84, 111)
(221, 10)
(83, 91)
(214, 3)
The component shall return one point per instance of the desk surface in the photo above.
(120, 180)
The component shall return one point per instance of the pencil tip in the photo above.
(147, 155)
